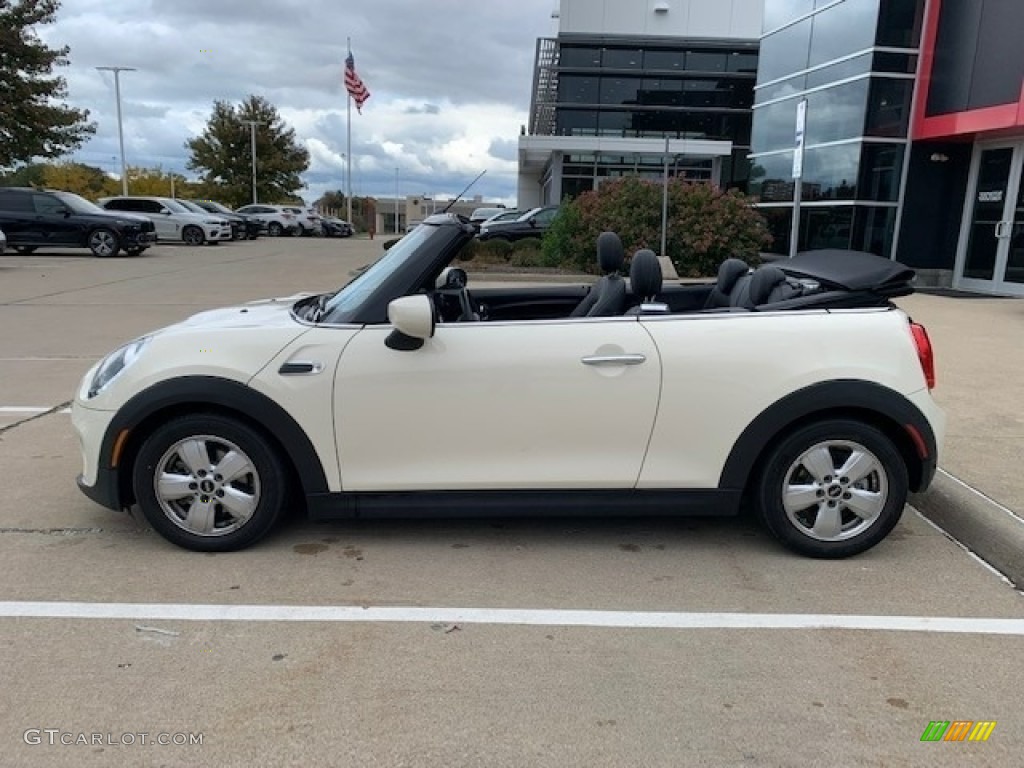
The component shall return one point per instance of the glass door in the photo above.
(991, 257)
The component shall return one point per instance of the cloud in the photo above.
(450, 84)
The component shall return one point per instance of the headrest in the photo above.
(611, 256)
(765, 280)
(731, 271)
(645, 274)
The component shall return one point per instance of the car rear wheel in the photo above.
(104, 242)
(832, 489)
(275, 229)
(210, 483)
(193, 235)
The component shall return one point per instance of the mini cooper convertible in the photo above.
(796, 390)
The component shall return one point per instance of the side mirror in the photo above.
(165, 212)
(413, 319)
(533, 221)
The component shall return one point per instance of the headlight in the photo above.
(114, 363)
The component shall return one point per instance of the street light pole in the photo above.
(396, 201)
(252, 130)
(120, 126)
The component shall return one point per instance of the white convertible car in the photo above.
(796, 390)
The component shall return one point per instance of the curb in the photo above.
(987, 528)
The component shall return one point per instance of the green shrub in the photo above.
(500, 248)
(527, 258)
(705, 225)
(388, 243)
(526, 244)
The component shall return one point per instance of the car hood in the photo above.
(264, 313)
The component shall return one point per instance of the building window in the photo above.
(785, 52)
(775, 126)
(881, 171)
(836, 113)
(619, 90)
(889, 108)
(576, 122)
(830, 173)
(657, 60)
(781, 90)
(779, 12)
(860, 65)
(706, 61)
(571, 56)
(662, 92)
(622, 58)
(771, 178)
(578, 89)
(825, 228)
(873, 230)
(899, 23)
(843, 29)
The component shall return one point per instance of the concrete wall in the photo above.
(684, 18)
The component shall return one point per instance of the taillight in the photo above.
(925, 354)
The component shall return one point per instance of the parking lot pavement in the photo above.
(516, 689)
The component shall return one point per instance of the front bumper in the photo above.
(98, 480)
(139, 239)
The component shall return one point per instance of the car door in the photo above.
(566, 404)
(53, 223)
(16, 216)
(167, 228)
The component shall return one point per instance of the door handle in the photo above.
(1001, 229)
(635, 359)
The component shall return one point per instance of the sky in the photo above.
(450, 83)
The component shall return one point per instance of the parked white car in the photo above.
(3, 242)
(800, 390)
(308, 219)
(278, 220)
(173, 221)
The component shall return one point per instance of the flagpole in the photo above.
(348, 154)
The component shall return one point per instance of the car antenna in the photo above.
(474, 181)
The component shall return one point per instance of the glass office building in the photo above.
(622, 76)
(854, 61)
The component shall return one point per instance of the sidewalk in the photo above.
(979, 359)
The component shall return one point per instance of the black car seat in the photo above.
(731, 287)
(769, 285)
(644, 279)
(607, 297)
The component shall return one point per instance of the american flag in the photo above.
(354, 84)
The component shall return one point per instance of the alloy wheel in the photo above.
(207, 485)
(835, 490)
(103, 243)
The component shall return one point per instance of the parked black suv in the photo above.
(533, 223)
(242, 226)
(43, 218)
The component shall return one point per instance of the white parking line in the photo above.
(506, 616)
(30, 409)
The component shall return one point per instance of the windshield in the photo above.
(175, 206)
(528, 214)
(356, 291)
(192, 207)
(78, 204)
(210, 205)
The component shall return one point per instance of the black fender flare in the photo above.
(224, 395)
(834, 398)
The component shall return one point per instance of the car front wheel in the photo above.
(193, 236)
(104, 242)
(832, 489)
(275, 229)
(210, 483)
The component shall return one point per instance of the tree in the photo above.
(85, 180)
(31, 124)
(223, 154)
(364, 209)
(705, 224)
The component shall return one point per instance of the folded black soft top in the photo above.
(851, 271)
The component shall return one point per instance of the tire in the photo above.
(191, 449)
(193, 235)
(274, 229)
(25, 250)
(104, 243)
(819, 520)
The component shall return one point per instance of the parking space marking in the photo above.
(30, 409)
(507, 616)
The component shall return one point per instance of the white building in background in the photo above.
(624, 75)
